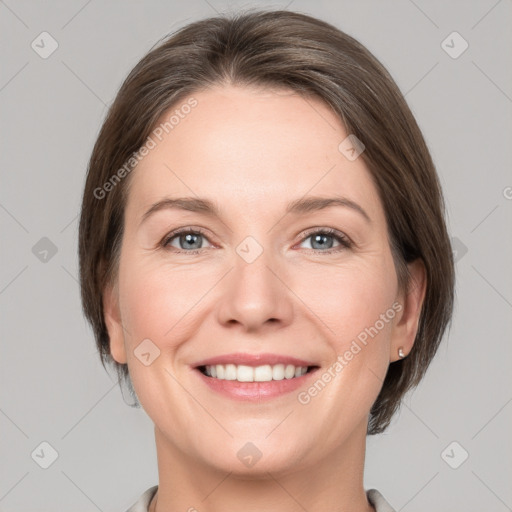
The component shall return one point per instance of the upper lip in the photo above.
(253, 360)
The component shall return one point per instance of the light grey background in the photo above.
(53, 387)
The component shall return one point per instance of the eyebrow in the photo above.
(299, 206)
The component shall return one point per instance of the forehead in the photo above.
(250, 148)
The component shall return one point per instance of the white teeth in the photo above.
(230, 373)
(265, 373)
(289, 371)
(278, 372)
(298, 372)
(245, 373)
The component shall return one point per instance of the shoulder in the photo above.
(142, 504)
(374, 497)
(378, 501)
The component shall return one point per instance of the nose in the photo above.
(255, 295)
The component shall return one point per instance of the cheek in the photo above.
(350, 299)
(158, 300)
(157, 304)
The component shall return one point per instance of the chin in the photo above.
(255, 459)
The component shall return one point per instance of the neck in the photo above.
(334, 482)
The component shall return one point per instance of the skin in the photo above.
(252, 151)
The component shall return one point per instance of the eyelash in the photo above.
(345, 242)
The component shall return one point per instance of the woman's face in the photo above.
(257, 280)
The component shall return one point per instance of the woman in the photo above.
(264, 258)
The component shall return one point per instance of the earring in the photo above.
(401, 353)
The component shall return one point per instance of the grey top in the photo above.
(374, 497)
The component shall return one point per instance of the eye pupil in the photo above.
(320, 238)
(189, 239)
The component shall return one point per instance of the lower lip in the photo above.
(256, 391)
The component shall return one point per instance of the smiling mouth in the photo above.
(263, 373)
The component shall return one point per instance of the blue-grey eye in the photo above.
(187, 241)
(323, 240)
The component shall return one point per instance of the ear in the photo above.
(112, 315)
(406, 326)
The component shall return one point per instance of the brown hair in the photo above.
(279, 49)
